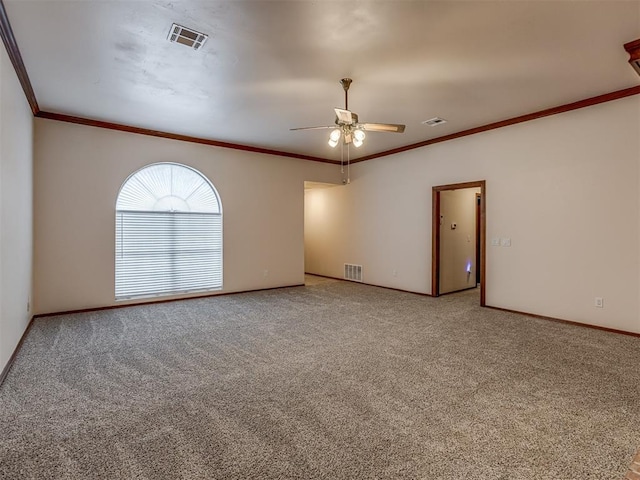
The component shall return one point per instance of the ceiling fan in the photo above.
(347, 125)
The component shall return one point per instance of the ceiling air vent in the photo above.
(186, 36)
(633, 49)
(432, 122)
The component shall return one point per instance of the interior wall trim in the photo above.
(12, 358)
(500, 309)
(370, 284)
(11, 46)
(13, 51)
(173, 136)
(567, 322)
(155, 302)
(633, 49)
(587, 102)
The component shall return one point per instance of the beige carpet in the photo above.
(334, 380)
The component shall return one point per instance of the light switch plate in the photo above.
(506, 242)
(495, 242)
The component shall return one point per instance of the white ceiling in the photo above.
(269, 66)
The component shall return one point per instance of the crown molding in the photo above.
(8, 38)
(633, 49)
(588, 102)
(173, 136)
(11, 46)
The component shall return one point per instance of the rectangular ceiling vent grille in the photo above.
(353, 272)
(186, 36)
(432, 122)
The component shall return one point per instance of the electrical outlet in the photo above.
(599, 302)
(265, 273)
(395, 273)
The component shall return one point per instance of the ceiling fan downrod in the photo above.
(346, 83)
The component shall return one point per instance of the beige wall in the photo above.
(16, 193)
(565, 189)
(79, 171)
(458, 245)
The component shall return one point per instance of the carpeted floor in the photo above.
(334, 380)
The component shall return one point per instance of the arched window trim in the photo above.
(167, 247)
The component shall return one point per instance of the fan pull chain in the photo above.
(348, 165)
(342, 158)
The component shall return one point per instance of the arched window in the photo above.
(168, 233)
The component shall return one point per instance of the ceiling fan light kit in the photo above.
(334, 137)
(347, 126)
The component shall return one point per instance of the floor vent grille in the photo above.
(353, 272)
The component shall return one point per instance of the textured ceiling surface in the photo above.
(269, 66)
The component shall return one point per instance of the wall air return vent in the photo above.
(353, 272)
(432, 122)
(186, 36)
(633, 49)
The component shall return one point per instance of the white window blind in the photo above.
(168, 233)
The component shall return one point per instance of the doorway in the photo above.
(458, 248)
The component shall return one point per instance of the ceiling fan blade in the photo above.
(343, 116)
(383, 127)
(314, 128)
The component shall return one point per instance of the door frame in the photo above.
(478, 208)
(435, 230)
